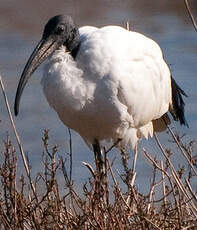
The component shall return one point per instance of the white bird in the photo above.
(105, 83)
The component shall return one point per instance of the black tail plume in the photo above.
(177, 103)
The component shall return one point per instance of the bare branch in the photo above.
(190, 14)
(17, 138)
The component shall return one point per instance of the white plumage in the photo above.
(105, 83)
(115, 87)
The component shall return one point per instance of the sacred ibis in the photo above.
(105, 83)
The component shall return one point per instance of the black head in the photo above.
(62, 29)
(59, 30)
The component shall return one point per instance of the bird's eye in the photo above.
(59, 29)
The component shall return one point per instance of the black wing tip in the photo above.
(182, 120)
(178, 103)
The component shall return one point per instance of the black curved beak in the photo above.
(44, 48)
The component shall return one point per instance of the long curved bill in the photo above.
(44, 48)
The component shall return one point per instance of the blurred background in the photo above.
(21, 26)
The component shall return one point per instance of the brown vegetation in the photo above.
(102, 205)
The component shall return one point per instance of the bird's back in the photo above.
(135, 64)
(118, 86)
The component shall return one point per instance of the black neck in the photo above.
(73, 42)
(74, 52)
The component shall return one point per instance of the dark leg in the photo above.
(98, 157)
(99, 173)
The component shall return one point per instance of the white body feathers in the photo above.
(117, 85)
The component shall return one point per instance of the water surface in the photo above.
(21, 25)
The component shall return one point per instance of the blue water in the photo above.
(21, 27)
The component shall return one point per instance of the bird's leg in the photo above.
(98, 157)
(99, 176)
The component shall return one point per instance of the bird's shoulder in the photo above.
(86, 31)
(118, 42)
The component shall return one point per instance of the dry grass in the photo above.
(104, 204)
